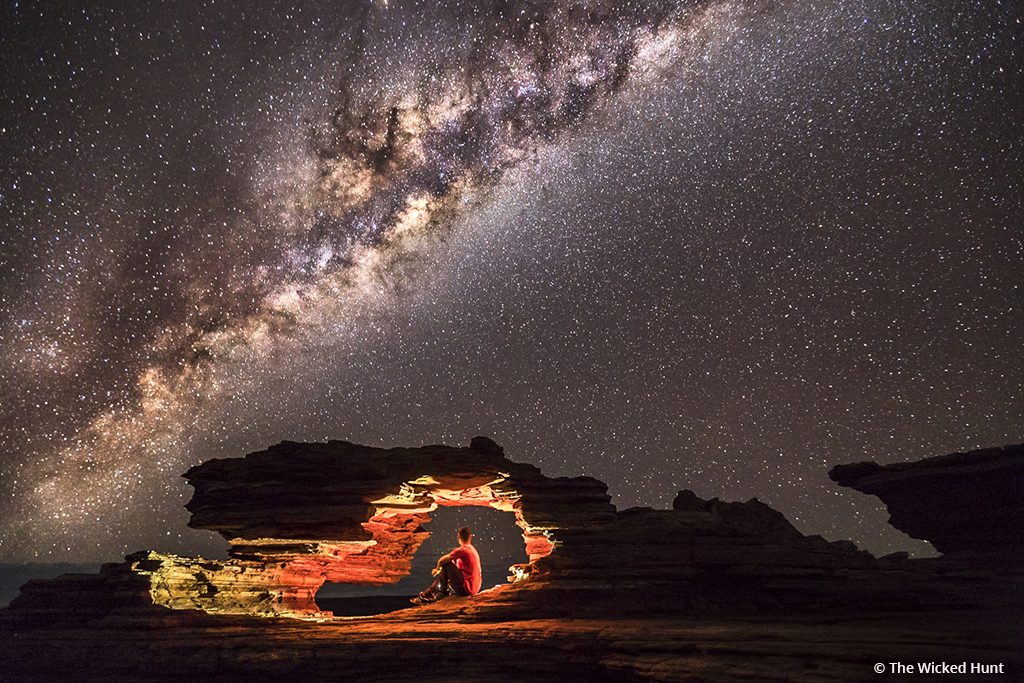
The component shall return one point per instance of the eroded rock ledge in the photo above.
(965, 504)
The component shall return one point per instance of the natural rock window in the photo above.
(297, 516)
(496, 536)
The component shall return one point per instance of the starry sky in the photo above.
(710, 244)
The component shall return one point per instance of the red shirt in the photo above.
(467, 560)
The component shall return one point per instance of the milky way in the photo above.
(714, 245)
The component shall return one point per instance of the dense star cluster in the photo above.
(715, 244)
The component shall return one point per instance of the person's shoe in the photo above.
(425, 597)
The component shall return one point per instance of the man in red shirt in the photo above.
(456, 573)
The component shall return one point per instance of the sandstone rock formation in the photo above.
(298, 515)
(965, 504)
(606, 595)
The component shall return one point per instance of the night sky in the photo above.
(713, 245)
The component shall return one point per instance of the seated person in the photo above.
(456, 573)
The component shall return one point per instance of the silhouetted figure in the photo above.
(457, 573)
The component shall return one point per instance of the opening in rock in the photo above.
(495, 535)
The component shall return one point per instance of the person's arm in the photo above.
(454, 555)
(437, 568)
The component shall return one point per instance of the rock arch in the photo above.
(298, 515)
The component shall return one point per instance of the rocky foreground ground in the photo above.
(444, 641)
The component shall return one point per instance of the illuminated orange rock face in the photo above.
(299, 515)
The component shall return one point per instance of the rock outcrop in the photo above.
(597, 580)
(964, 504)
(298, 515)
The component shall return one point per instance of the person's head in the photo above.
(465, 536)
